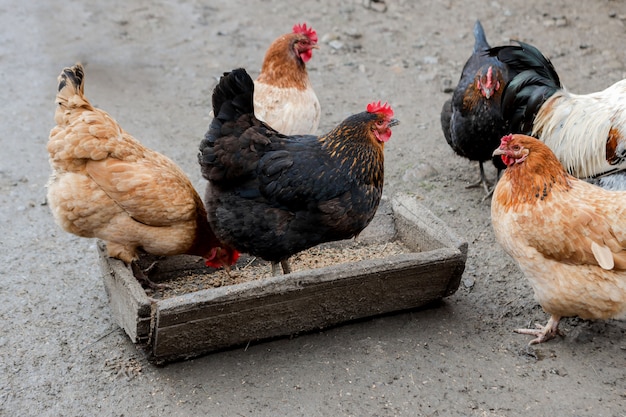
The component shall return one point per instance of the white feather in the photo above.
(576, 128)
(290, 111)
(603, 255)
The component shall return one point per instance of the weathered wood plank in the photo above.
(130, 306)
(287, 307)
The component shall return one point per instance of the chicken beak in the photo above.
(393, 122)
(497, 152)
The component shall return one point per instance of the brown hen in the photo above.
(284, 97)
(107, 185)
(568, 236)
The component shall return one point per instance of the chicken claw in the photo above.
(543, 333)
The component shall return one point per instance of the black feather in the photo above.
(526, 92)
(472, 123)
(75, 75)
(272, 195)
(236, 90)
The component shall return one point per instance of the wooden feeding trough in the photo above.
(194, 323)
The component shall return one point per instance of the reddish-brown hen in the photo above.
(107, 185)
(273, 195)
(568, 236)
(283, 95)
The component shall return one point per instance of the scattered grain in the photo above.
(193, 278)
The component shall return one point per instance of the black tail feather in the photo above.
(75, 75)
(524, 57)
(522, 99)
(535, 82)
(233, 96)
(480, 40)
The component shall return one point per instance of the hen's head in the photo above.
(533, 172)
(516, 149)
(511, 150)
(487, 82)
(220, 257)
(384, 120)
(305, 40)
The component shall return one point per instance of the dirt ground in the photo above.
(152, 65)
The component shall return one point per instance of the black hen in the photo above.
(272, 195)
(472, 121)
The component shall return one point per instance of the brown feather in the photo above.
(105, 184)
(560, 230)
(282, 67)
(284, 97)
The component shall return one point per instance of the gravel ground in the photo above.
(152, 65)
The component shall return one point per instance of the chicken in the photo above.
(586, 132)
(283, 96)
(568, 236)
(272, 195)
(105, 184)
(472, 120)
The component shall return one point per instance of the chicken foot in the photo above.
(543, 333)
(482, 181)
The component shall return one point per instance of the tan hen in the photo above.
(568, 236)
(107, 185)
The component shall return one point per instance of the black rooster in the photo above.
(472, 120)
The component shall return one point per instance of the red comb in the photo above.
(309, 32)
(376, 107)
(506, 139)
(221, 257)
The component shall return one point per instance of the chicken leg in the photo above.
(284, 264)
(482, 181)
(142, 276)
(543, 333)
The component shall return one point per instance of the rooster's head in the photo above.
(487, 83)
